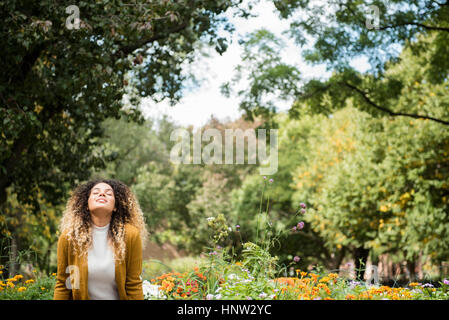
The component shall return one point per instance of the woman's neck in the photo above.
(100, 220)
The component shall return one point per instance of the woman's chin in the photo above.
(100, 209)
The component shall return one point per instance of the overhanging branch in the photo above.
(125, 50)
(390, 112)
(424, 26)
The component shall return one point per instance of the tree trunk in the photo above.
(360, 259)
(333, 262)
(411, 265)
(13, 267)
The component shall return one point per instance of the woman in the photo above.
(100, 246)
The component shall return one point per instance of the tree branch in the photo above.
(437, 28)
(441, 4)
(28, 62)
(390, 112)
(125, 50)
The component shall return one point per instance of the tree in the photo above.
(376, 186)
(296, 142)
(269, 77)
(133, 146)
(338, 32)
(59, 83)
(28, 234)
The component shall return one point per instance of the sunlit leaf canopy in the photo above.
(335, 33)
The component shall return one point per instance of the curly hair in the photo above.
(77, 222)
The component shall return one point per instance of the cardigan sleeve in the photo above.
(133, 282)
(61, 292)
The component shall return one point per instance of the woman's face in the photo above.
(101, 198)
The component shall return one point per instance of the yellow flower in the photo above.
(34, 271)
(53, 274)
(10, 284)
(29, 281)
(42, 288)
(18, 276)
(321, 286)
(21, 289)
(413, 284)
(11, 279)
(1, 272)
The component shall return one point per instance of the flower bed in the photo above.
(240, 284)
(17, 288)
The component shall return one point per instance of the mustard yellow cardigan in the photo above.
(127, 271)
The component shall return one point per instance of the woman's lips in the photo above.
(101, 200)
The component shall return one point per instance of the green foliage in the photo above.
(267, 75)
(28, 233)
(367, 182)
(59, 84)
(40, 289)
(154, 268)
(343, 30)
(336, 34)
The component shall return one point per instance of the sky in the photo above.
(198, 105)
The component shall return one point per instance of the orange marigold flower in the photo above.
(21, 289)
(325, 279)
(314, 277)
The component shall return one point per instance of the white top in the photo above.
(101, 283)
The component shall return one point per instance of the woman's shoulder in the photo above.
(63, 235)
(131, 231)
